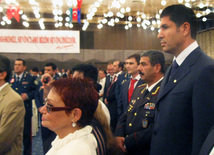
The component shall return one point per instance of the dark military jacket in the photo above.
(25, 85)
(136, 124)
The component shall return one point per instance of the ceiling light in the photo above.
(130, 18)
(160, 11)
(37, 16)
(4, 18)
(9, 22)
(188, 5)
(122, 10)
(104, 21)
(1, 9)
(163, 2)
(180, 1)
(24, 17)
(198, 15)
(97, 4)
(138, 25)
(153, 22)
(201, 5)
(71, 25)
(66, 24)
(68, 12)
(152, 28)
(60, 12)
(128, 9)
(204, 19)
(67, 19)
(187, 1)
(130, 25)
(117, 20)
(157, 16)
(126, 27)
(208, 11)
(143, 16)
(3, 23)
(21, 12)
(138, 19)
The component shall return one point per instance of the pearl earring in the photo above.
(74, 124)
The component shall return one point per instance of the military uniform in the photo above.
(47, 135)
(136, 124)
(26, 85)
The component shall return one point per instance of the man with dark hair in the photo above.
(184, 111)
(128, 87)
(35, 72)
(12, 113)
(135, 127)
(47, 135)
(24, 84)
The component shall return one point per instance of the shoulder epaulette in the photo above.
(142, 85)
(156, 91)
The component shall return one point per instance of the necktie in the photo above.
(111, 78)
(17, 79)
(146, 92)
(174, 68)
(131, 89)
(111, 84)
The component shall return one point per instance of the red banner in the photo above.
(79, 3)
(75, 14)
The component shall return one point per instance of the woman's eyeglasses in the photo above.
(51, 108)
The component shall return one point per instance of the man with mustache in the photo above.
(135, 127)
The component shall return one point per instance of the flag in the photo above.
(13, 11)
(79, 3)
(74, 14)
(70, 15)
(79, 16)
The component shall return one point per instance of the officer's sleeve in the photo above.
(31, 93)
(121, 126)
(140, 138)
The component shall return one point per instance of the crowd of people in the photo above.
(138, 107)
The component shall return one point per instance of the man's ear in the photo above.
(157, 68)
(185, 28)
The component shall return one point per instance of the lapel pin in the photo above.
(175, 81)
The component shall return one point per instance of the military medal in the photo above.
(12, 80)
(145, 123)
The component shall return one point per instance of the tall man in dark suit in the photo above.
(24, 84)
(110, 99)
(109, 78)
(128, 87)
(47, 135)
(135, 127)
(185, 106)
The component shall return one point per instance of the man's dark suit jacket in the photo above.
(123, 101)
(107, 84)
(208, 145)
(137, 123)
(185, 107)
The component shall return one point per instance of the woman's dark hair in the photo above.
(78, 93)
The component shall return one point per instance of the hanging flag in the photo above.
(79, 3)
(79, 16)
(70, 15)
(13, 11)
(75, 14)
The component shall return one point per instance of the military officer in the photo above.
(135, 127)
(24, 84)
(47, 135)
